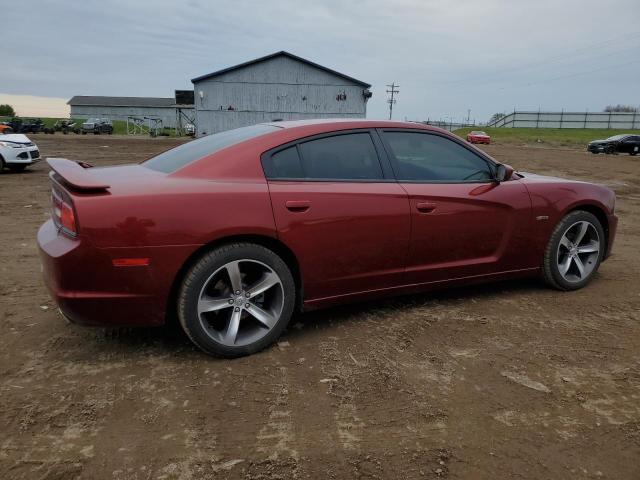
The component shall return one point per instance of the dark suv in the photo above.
(97, 126)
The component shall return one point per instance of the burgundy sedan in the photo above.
(233, 232)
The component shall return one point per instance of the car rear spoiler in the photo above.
(75, 174)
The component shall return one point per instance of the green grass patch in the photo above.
(551, 136)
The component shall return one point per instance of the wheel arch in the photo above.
(599, 212)
(273, 244)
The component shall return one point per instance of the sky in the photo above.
(449, 58)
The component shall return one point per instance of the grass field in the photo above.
(550, 136)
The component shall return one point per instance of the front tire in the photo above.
(236, 300)
(574, 252)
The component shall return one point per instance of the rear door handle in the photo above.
(298, 205)
(426, 207)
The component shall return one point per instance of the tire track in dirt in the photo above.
(276, 439)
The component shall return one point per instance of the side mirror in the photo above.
(503, 172)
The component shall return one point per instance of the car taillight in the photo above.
(63, 213)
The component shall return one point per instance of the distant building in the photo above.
(280, 86)
(121, 108)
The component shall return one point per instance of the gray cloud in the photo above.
(489, 55)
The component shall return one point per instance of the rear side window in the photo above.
(178, 157)
(350, 156)
(422, 157)
(286, 164)
(343, 157)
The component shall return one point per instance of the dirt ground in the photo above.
(508, 380)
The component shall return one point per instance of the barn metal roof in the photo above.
(278, 54)
(123, 101)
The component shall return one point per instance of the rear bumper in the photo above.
(89, 290)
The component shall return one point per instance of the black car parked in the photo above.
(625, 143)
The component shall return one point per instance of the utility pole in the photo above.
(391, 100)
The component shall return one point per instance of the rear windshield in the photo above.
(178, 157)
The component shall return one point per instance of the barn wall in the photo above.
(278, 88)
(167, 114)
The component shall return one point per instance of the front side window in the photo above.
(422, 157)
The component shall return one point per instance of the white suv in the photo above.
(17, 152)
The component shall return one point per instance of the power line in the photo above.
(391, 100)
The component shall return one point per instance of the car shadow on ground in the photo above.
(171, 338)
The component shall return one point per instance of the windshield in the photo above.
(617, 137)
(478, 133)
(178, 157)
(92, 120)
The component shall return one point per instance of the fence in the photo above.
(603, 120)
(451, 126)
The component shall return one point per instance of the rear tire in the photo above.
(236, 300)
(574, 252)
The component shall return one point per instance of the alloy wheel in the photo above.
(240, 302)
(578, 251)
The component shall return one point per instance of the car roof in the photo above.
(349, 123)
(238, 160)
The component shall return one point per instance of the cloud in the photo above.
(487, 56)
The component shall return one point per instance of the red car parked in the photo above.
(478, 137)
(235, 231)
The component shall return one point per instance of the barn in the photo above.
(166, 109)
(280, 86)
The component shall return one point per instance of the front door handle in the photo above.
(298, 205)
(426, 207)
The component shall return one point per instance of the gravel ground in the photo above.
(507, 380)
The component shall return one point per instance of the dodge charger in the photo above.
(233, 233)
